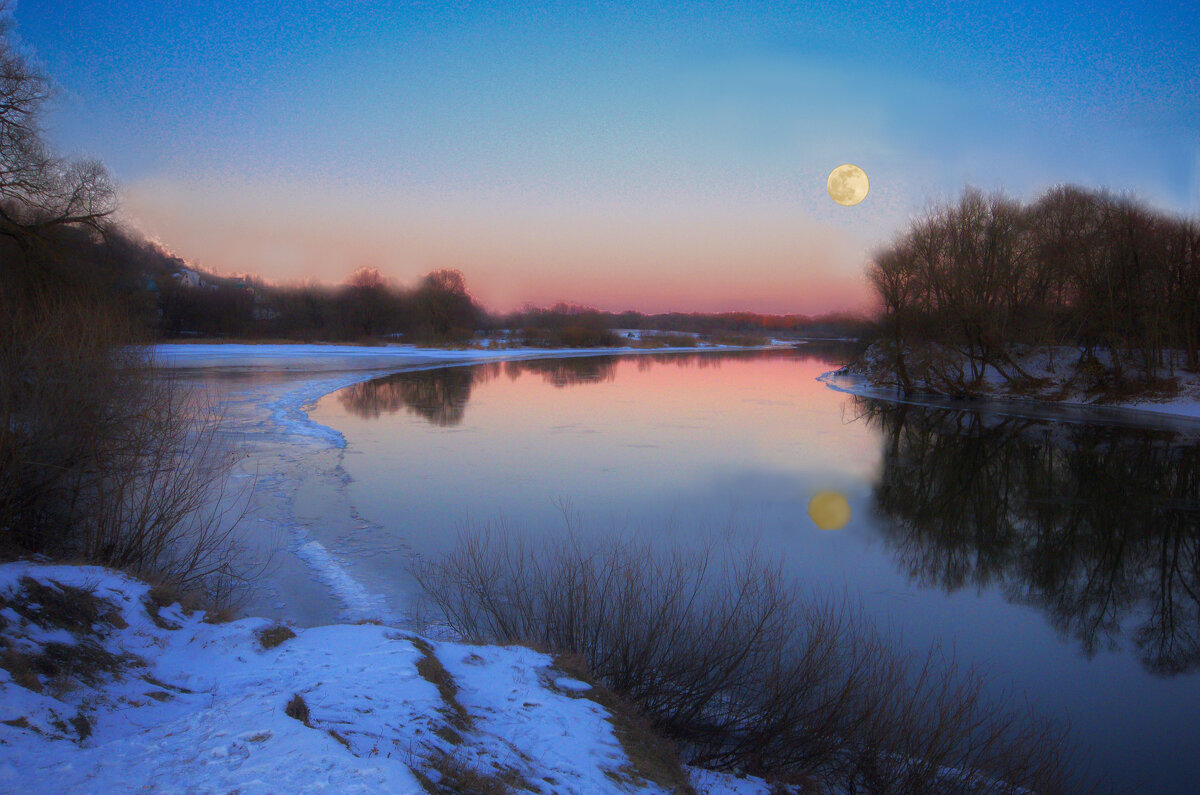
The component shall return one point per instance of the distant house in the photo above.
(189, 278)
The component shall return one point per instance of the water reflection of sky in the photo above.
(686, 448)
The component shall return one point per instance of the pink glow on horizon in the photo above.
(651, 259)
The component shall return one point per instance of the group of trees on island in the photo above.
(1077, 267)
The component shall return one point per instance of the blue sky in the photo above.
(655, 156)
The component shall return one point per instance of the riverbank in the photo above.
(1057, 379)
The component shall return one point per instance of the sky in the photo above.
(641, 156)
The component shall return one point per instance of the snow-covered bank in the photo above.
(103, 691)
(1056, 383)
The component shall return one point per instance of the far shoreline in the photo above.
(332, 356)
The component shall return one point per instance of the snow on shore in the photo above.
(1059, 388)
(100, 691)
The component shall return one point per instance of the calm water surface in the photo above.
(1061, 556)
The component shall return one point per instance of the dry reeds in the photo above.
(745, 672)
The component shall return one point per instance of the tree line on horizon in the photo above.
(367, 306)
(439, 309)
(1101, 272)
(169, 298)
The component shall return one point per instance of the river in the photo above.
(1057, 551)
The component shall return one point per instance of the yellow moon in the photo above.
(848, 185)
(829, 510)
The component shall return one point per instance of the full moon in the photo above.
(848, 185)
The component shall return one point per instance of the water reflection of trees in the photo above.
(566, 372)
(441, 395)
(1097, 526)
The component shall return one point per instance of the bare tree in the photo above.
(38, 189)
(443, 307)
(370, 304)
(102, 458)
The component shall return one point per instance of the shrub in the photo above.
(274, 636)
(101, 457)
(744, 672)
(297, 709)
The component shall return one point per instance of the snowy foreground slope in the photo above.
(103, 691)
